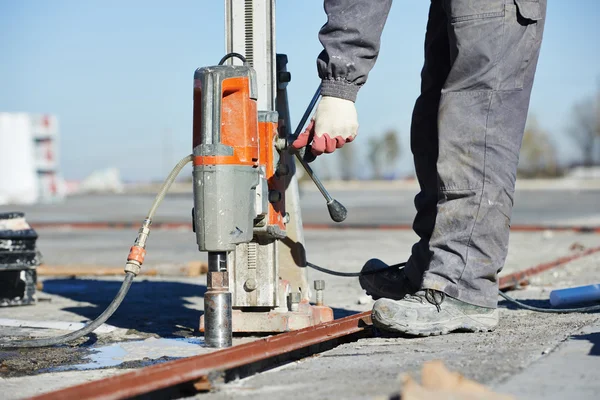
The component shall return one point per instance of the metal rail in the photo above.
(309, 226)
(517, 278)
(197, 368)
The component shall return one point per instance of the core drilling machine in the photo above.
(246, 211)
(246, 206)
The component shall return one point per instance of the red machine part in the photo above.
(239, 123)
(268, 134)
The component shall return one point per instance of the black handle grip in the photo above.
(304, 153)
(337, 211)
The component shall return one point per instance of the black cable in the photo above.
(231, 55)
(548, 310)
(504, 295)
(353, 274)
(51, 341)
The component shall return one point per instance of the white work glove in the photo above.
(335, 123)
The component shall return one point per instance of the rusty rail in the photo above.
(309, 226)
(197, 368)
(516, 278)
(408, 227)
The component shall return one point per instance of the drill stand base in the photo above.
(278, 320)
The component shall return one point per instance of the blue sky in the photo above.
(119, 73)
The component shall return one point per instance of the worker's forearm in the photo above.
(351, 39)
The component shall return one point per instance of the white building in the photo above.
(29, 159)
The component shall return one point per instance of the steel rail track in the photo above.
(345, 226)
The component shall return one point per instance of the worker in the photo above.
(466, 132)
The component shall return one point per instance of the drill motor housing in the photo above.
(238, 193)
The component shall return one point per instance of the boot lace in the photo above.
(435, 297)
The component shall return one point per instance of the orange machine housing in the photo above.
(253, 142)
(239, 123)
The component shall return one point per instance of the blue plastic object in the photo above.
(576, 295)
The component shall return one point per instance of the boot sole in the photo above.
(472, 323)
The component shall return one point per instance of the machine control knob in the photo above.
(282, 170)
(284, 77)
(274, 196)
(250, 285)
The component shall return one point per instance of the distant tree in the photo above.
(585, 128)
(347, 162)
(383, 153)
(391, 148)
(538, 154)
(375, 145)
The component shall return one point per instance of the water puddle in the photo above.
(144, 352)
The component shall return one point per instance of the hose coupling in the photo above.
(137, 253)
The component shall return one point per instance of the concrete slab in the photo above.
(570, 371)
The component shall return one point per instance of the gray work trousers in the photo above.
(467, 128)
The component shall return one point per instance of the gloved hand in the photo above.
(335, 123)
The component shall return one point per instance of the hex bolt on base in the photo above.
(294, 301)
(319, 287)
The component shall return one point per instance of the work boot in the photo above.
(430, 312)
(390, 283)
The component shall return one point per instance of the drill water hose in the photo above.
(132, 268)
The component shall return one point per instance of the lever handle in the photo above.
(306, 154)
(337, 211)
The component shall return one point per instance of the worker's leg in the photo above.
(494, 47)
(424, 130)
(392, 283)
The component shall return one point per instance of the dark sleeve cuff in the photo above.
(340, 89)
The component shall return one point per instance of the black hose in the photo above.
(548, 310)
(500, 293)
(51, 341)
(231, 55)
(352, 274)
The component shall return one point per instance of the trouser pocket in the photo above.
(521, 42)
(492, 42)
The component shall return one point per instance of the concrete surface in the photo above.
(530, 355)
(570, 371)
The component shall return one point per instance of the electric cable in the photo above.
(125, 286)
(352, 274)
(548, 310)
(500, 293)
(231, 55)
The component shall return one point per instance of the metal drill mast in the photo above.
(250, 31)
